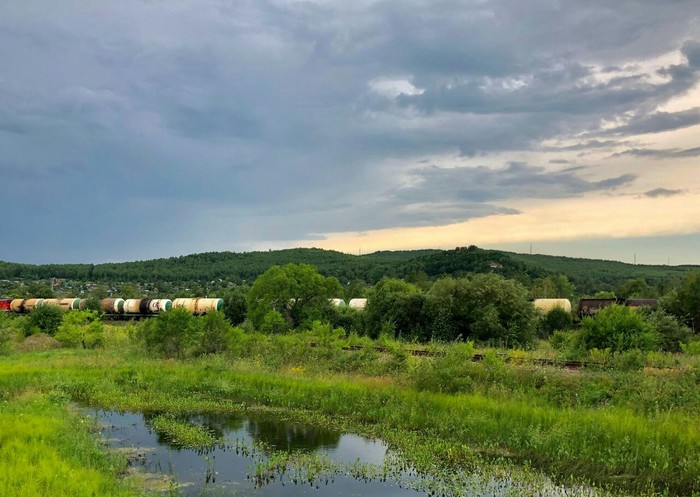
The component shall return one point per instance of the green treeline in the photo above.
(588, 276)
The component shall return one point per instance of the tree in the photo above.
(636, 288)
(618, 328)
(684, 302)
(487, 307)
(557, 286)
(296, 291)
(391, 302)
(235, 306)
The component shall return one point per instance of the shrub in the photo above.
(80, 328)
(691, 348)
(215, 333)
(562, 340)
(171, 334)
(555, 320)
(619, 329)
(274, 323)
(45, 319)
(448, 373)
(672, 334)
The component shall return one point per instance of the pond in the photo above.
(263, 456)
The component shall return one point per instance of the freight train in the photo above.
(117, 307)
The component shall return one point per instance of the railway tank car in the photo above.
(112, 306)
(546, 305)
(147, 306)
(199, 305)
(358, 304)
(65, 304)
(23, 306)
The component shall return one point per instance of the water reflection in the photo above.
(236, 465)
(291, 437)
(265, 457)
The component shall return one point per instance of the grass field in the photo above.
(635, 431)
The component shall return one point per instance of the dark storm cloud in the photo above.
(182, 123)
(517, 180)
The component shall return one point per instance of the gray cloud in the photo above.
(517, 180)
(659, 154)
(662, 192)
(658, 122)
(146, 118)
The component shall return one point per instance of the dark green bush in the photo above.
(172, 334)
(555, 320)
(618, 329)
(45, 319)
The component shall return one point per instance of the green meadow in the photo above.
(632, 431)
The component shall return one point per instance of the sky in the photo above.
(133, 130)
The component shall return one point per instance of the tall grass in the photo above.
(45, 450)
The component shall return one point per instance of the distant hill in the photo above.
(600, 274)
(589, 275)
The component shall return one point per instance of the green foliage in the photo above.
(235, 306)
(691, 348)
(556, 319)
(557, 286)
(636, 288)
(487, 308)
(7, 331)
(296, 291)
(216, 333)
(274, 323)
(563, 340)
(399, 304)
(171, 334)
(351, 320)
(672, 334)
(448, 373)
(684, 302)
(45, 319)
(619, 329)
(81, 328)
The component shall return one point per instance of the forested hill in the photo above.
(596, 274)
(245, 267)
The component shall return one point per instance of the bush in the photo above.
(672, 334)
(215, 333)
(555, 320)
(618, 328)
(562, 340)
(448, 373)
(691, 348)
(235, 307)
(45, 319)
(172, 334)
(82, 328)
(274, 323)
